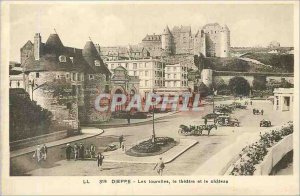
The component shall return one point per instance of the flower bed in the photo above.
(148, 148)
(255, 153)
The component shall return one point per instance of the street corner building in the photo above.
(65, 80)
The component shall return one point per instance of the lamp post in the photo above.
(153, 130)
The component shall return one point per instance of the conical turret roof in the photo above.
(167, 30)
(54, 43)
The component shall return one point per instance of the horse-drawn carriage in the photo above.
(195, 130)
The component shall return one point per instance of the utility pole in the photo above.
(153, 130)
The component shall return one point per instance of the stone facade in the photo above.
(213, 40)
(65, 80)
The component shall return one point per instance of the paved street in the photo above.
(186, 164)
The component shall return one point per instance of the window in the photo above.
(175, 76)
(146, 82)
(91, 77)
(62, 58)
(134, 66)
(112, 66)
(126, 65)
(74, 76)
(174, 68)
(97, 63)
(67, 75)
(37, 74)
(134, 73)
(78, 77)
(146, 73)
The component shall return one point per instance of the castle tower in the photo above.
(166, 41)
(37, 46)
(224, 42)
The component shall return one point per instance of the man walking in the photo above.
(44, 151)
(121, 138)
(68, 152)
(100, 158)
(262, 112)
(160, 166)
(205, 121)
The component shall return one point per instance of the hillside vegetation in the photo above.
(279, 62)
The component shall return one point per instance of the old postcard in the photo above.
(149, 98)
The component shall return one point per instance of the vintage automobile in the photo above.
(265, 123)
(239, 105)
(228, 121)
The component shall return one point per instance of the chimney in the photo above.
(98, 48)
(37, 46)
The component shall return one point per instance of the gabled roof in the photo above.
(28, 45)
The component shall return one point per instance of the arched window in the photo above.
(62, 59)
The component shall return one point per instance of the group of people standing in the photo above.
(80, 152)
(40, 153)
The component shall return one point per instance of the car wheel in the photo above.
(236, 124)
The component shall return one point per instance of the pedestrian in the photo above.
(44, 151)
(160, 166)
(37, 154)
(76, 151)
(81, 151)
(68, 152)
(93, 150)
(262, 112)
(128, 118)
(253, 111)
(123, 146)
(121, 138)
(100, 158)
(205, 121)
(250, 102)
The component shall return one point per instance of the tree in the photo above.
(239, 86)
(259, 83)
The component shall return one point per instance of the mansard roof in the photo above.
(152, 38)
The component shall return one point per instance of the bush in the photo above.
(149, 147)
(255, 153)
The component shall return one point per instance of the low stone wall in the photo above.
(275, 154)
(38, 140)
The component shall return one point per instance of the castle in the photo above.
(213, 40)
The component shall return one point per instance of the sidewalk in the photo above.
(87, 132)
(119, 156)
(123, 122)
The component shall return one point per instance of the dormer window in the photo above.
(62, 59)
(97, 63)
(72, 59)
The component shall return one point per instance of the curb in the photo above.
(152, 162)
(50, 146)
(131, 124)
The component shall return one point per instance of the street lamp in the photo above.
(153, 130)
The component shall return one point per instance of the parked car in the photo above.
(228, 121)
(265, 123)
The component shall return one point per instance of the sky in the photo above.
(115, 23)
